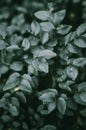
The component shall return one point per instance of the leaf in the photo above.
(6, 118)
(43, 65)
(12, 48)
(45, 37)
(52, 43)
(57, 17)
(63, 29)
(47, 26)
(26, 44)
(25, 86)
(33, 40)
(81, 87)
(13, 110)
(81, 29)
(83, 97)
(2, 45)
(73, 49)
(35, 27)
(15, 102)
(42, 15)
(47, 54)
(3, 69)
(17, 66)
(12, 81)
(29, 78)
(48, 127)
(61, 105)
(79, 62)
(12, 29)
(64, 86)
(21, 96)
(78, 99)
(72, 72)
(51, 106)
(48, 95)
(80, 42)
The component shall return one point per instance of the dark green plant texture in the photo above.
(42, 65)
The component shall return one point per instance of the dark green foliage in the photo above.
(42, 65)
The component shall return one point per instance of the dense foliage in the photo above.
(42, 65)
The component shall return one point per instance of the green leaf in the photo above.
(12, 81)
(29, 78)
(83, 97)
(64, 86)
(12, 48)
(13, 110)
(47, 26)
(63, 29)
(43, 65)
(2, 45)
(21, 96)
(3, 69)
(26, 44)
(48, 95)
(61, 105)
(51, 106)
(73, 49)
(45, 37)
(17, 66)
(6, 118)
(79, 62)
(81, 87)
(52, 42)
(47, 54)
(35, 27)
(80, 42)
(48, 127)
(42, 15)
(57, 17)
(72, 72)
(25, 86)
(78, 99)
(81, 29)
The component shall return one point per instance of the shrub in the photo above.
(42, 66)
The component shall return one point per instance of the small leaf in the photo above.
(43, 65)
(83, 97)
(81, 29)
(35, 27)
(73, 49)
(79, 62)
(72, 72)
(47, 26)
(78, 99)
(12, 48)
(58, 16)
(42, 15)
(26, 44)
(45, 37)
(13, 110)
(2, 45)
(80, 42)
(47, 54)
(63, 29)
(61, 104)
(51, 106)
(81, 87)
(12, 81)
(3, 69)
(17, 66)
(25, 86)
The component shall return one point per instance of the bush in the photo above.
(42, 65)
